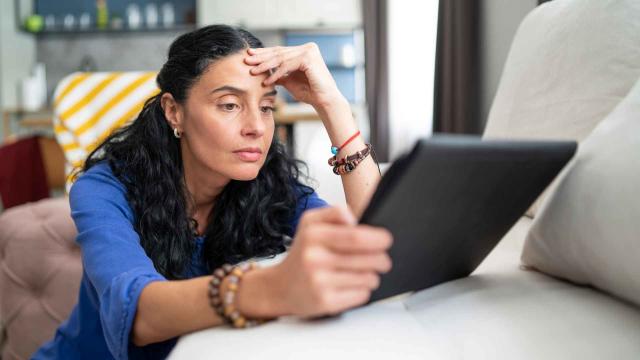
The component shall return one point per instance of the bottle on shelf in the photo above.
(134, 17)
(168, 15)
(102, 14)
(151, 14)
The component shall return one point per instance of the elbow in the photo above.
(142, 334)
(143, 329)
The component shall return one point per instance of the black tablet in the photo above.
(451, 199)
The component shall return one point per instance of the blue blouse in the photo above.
(115, 270)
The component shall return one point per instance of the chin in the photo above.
(246, 173)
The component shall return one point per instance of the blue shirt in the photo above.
(115, 270)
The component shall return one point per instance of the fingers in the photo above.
(346, 280)
(281, 71)
(319, 257)
(330, 214)
(352, 240)
(343, 300)
(284, 59)
(380, 262)
(254, 51)
(267, 61)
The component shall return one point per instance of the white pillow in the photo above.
(570, 64)
(588, 230)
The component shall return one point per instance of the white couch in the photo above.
(571, 63)
(500, 312)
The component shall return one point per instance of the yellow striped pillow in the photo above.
(89, 106)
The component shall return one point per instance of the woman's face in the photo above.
(227, 123)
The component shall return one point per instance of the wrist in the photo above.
(258, 296)
(338, 120)
(331, 102)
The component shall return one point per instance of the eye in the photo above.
(229, 106)
(267, 109)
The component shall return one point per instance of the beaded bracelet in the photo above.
(349, 163)
(226, 308)
(336, 149)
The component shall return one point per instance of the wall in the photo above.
(64, 53)
(499, 22)
(17, 54)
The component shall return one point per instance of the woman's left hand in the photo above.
(300, 69)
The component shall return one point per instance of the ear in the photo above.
(172, 111)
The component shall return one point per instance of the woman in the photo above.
(197, 181)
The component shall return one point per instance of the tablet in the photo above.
(450, 200)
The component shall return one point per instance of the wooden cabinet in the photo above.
(280, 14)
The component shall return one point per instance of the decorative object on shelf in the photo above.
(49, 22)
(134, 16)
(33, 90)
(168, 15)
(151, 15)
(117, 23)
(34, 23)
(69, 22)
(102, 14)
(85, 21)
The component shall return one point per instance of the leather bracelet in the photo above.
(349, 163)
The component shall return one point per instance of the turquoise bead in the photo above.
(334, 150)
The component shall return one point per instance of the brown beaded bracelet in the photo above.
(226, 308)
(349, 163)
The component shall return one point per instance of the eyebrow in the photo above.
(236, 90)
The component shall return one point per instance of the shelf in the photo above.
(125, 30)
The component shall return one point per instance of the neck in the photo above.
(203, 187)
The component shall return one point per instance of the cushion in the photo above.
(570, 64)
(588, 232)
(515, 314)
(87, 107)
(40, 272)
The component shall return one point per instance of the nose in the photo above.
(253, 124)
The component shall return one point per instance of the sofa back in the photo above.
(571, 62)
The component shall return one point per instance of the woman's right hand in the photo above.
(333, 264)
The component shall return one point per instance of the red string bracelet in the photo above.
(335, 150)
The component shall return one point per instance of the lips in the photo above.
(250, 154)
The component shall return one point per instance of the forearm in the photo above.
(359, 184)
(172, 308)
(169, 309)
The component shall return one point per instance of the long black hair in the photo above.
(249, 217)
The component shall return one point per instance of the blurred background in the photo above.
(409, 68)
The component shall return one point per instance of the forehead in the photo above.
(233, 71)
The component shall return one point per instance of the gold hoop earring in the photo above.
(176, 133)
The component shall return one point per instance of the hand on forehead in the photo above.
(233, 72)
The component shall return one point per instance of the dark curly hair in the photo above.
(249, 218)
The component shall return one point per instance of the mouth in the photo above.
(250, 154)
